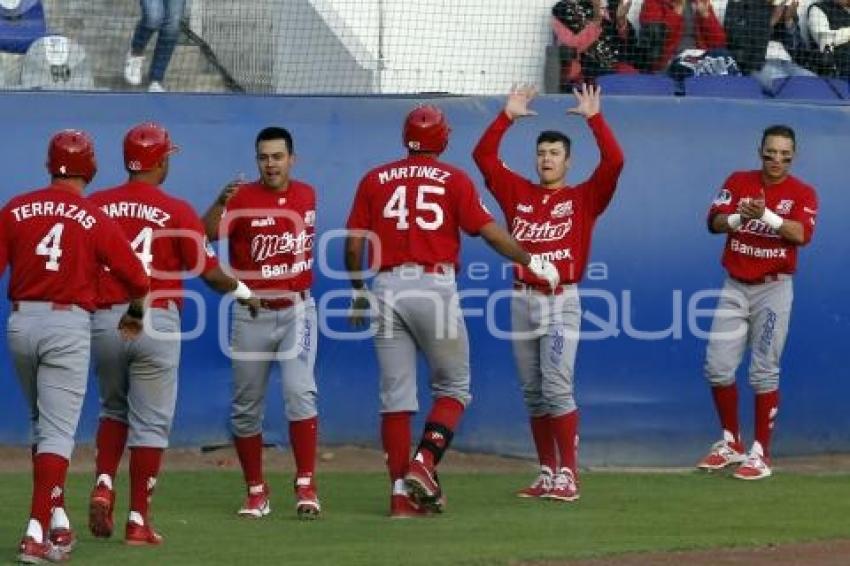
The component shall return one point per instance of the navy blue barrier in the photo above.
(643, 401)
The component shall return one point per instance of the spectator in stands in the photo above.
(590, 43)
(748, 28)
(829, 28)
(786, 50)
(157, 15)
(662, 26)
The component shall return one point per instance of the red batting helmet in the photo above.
(426, 129)
(71, 154)
(145, 146)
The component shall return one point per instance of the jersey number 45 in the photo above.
(429, 215)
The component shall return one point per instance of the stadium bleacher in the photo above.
(350, 47)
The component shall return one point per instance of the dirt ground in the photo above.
(360, 459)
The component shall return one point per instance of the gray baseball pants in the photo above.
(288, 336)
(419, 311)
(546, 335)
(51, 350)
(138, 378)
(754, 316)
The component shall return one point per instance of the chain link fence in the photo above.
(346, 47)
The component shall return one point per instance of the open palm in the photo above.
(588, 99)
(518, 100)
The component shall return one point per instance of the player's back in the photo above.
(164, 232)
(416, 208)
(51, 241)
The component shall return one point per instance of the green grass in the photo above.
(484, 523)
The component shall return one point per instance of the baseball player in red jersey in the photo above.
(555, 221)
(414, 209)
(765, 214)
(270, 225)
(55, 243)
(138, 380)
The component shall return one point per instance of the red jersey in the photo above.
(755, 249)
(416, 207)
(271, 236)
(166, 234)
(557, 224)
(57, 242)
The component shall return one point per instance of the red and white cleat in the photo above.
(541, 486)
(63, 539)
(424, 487)
(403, 507)
(137, 534)
(101, 504)
(32, 552)
(564, 486)
(723, 453)
(755, 467)
(307, 499)
(256, 505)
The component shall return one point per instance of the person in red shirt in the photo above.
(270, 225)
(55, 243)
(555, 221)
(662, 26)
(138, 380)
(412, 211)
(766, 215)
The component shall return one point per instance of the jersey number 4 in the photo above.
(141, 245)
(51, 246)
(429, 215)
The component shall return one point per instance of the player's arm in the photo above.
(355, 248)
(358, 225)
(212, 218)
(505, 245)
(790, 230)
(603, 180)
(113, 250)
(198, 256)
(497, 177)
(723, 216)
(502, 242)
(720, 224)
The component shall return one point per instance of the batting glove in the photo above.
(544, 269)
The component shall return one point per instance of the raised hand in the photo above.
(588, 98)
(518, 100)
(229, 189)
